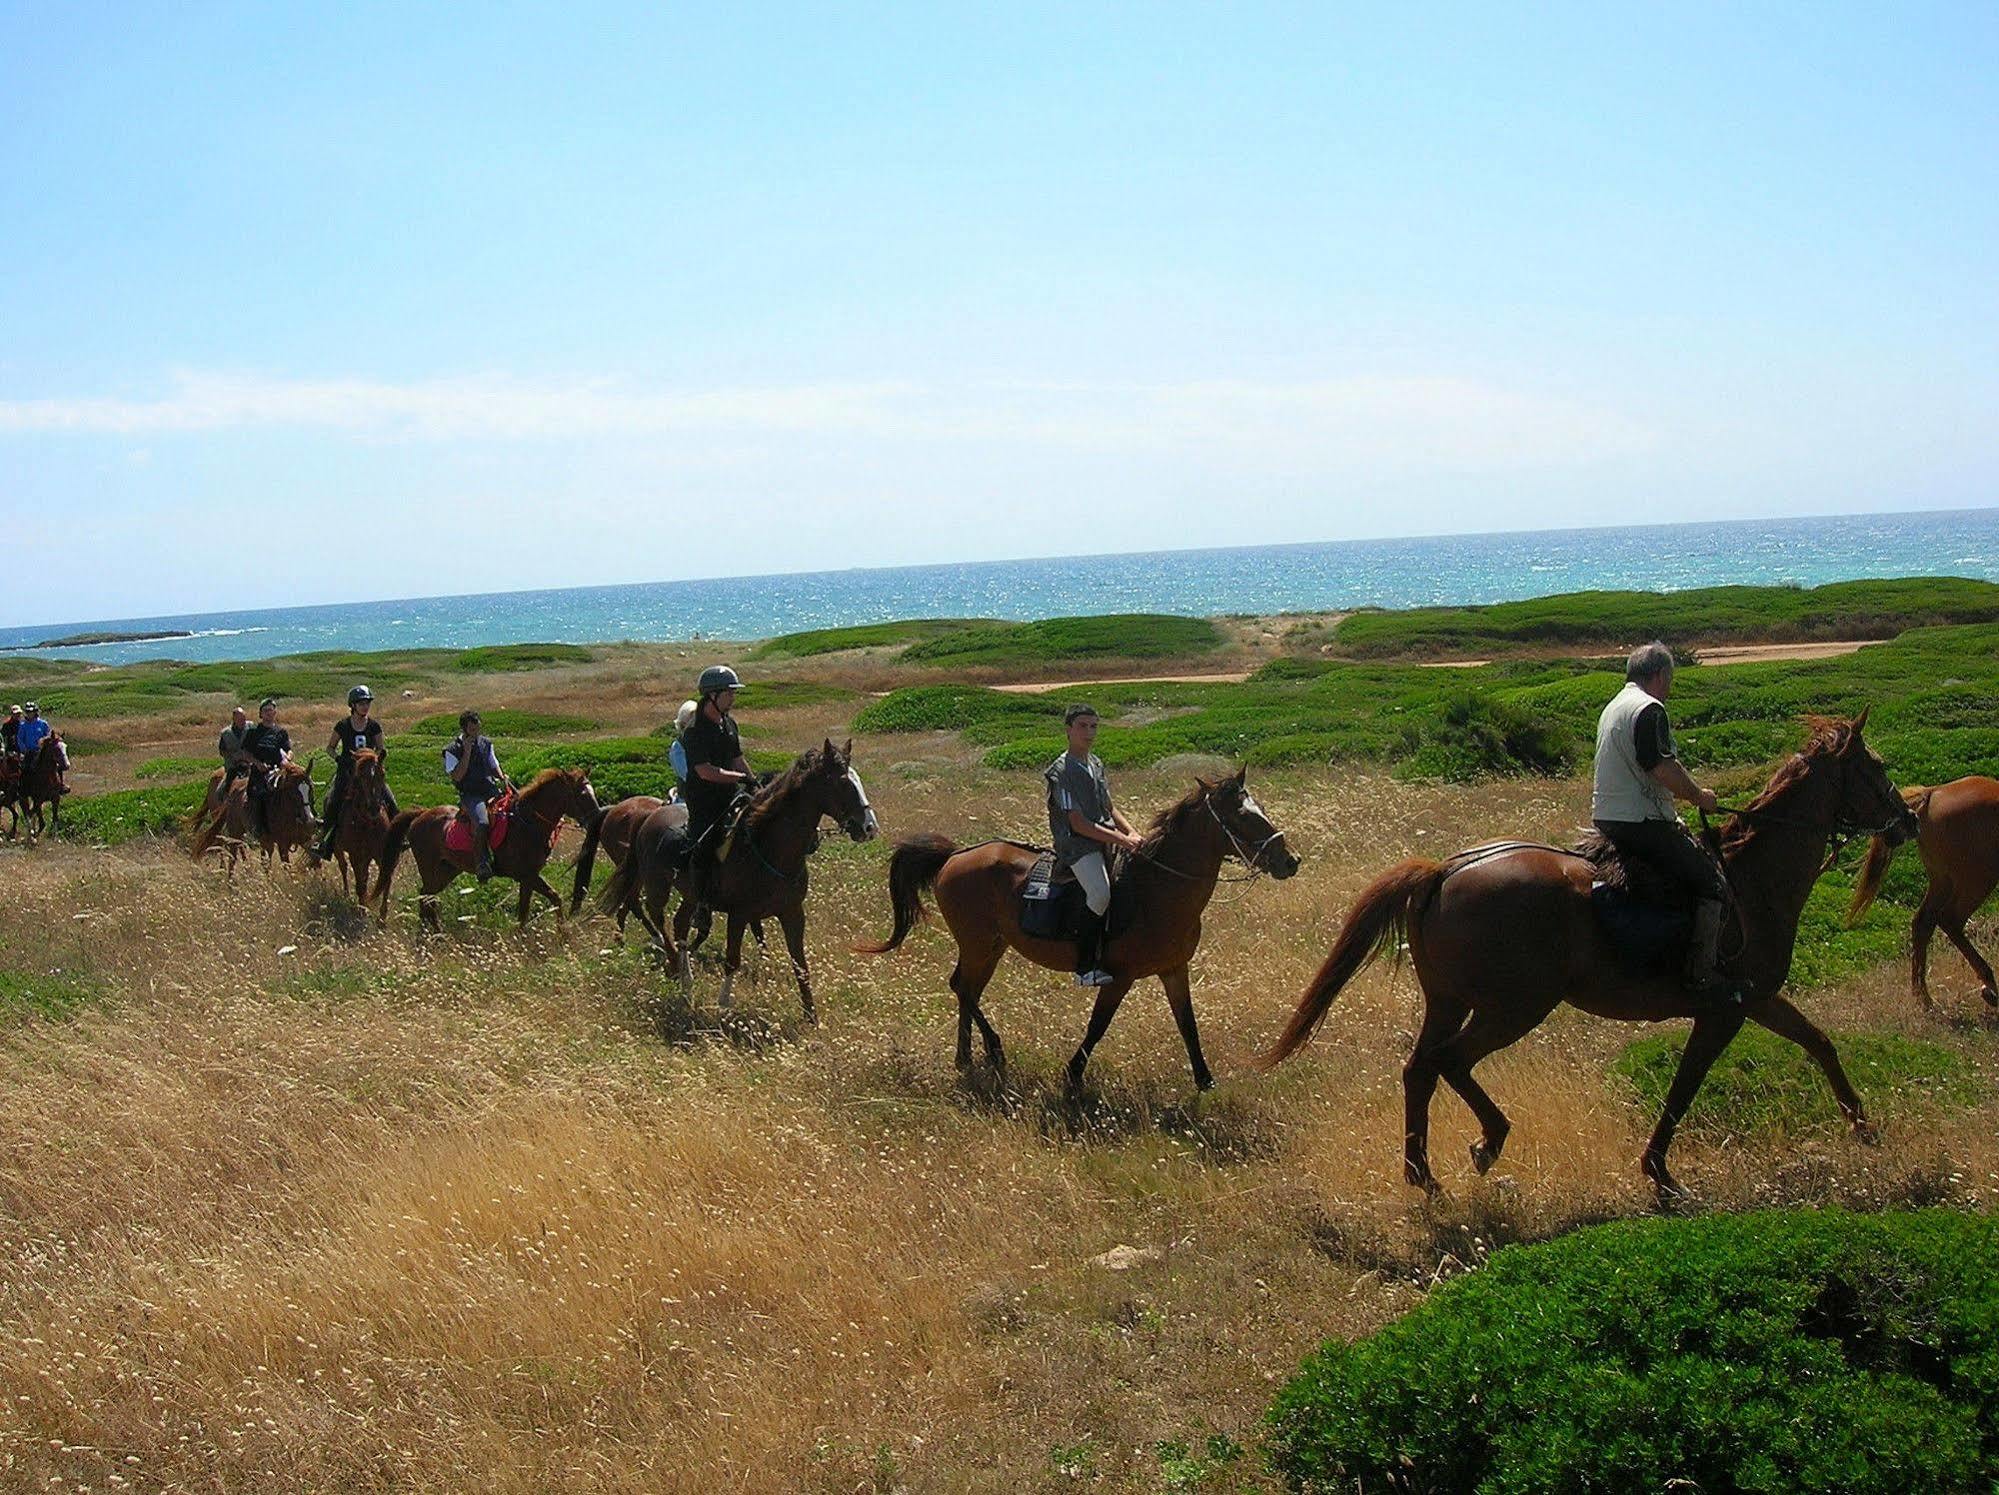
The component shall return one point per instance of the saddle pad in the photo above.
(458, 832)
(1648, 936)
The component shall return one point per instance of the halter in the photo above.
(1247, 858)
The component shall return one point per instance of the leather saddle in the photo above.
(1648, 916)
(1052, 903)
(458, 832)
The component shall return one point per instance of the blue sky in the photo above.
(313, 303)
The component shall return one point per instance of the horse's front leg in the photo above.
(541, 886)
(1180, 997)
(792, 921)
(1704, 1045)
(1108, 998)
(1783, 1019)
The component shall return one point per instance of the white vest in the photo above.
(1623, 790)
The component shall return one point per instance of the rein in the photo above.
(1248, 858)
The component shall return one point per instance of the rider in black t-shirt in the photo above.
(269, 747)
(352, 732)
(716, 770)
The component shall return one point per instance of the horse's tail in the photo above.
(1879, 855)
(207, 829)
(622, 890)
(912, 867)
(392, 850)
(586, 859)
(1378, 919)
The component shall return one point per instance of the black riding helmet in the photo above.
(359, 694)
(718, 678)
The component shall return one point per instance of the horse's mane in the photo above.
(543, 779)
(1168, 820)
(1830, 736)
(765, 802)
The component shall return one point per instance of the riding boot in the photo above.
(324, 849)
(1090, 949)
(1703, 977)
(482, 853)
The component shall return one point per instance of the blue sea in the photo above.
(1256, 579)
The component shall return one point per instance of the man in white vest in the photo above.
(1638, 776)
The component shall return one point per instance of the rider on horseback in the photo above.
(267, 748)
(10, 732)
(229, 747)
(1082, 820)
(354, 731)
(32, 733)
(1638, 776)
(717, 771)
(676, 756)
(474, 768)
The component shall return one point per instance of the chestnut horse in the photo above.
(613, 828)
(363, 835)
(1502, 935)
(1957, 835)
(537, 816)
(1172, 877)
(287, 812)
(765, 874)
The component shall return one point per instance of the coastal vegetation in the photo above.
(294, 1203)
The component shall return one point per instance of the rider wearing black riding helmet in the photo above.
(716, 769)
(356, 730)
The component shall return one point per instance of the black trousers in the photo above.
(1667, 846)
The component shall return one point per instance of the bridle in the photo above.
(1248, 857)
(1844, 831)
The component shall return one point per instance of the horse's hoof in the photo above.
(1865, 1134)
(1483, 1157)
(1991, 996)
(1204, 1082)
(1420, 1177)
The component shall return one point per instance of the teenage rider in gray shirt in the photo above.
(1082, 821)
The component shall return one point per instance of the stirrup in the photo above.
(1097, 976)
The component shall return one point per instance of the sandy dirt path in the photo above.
(1751, 653)
(1035, 687)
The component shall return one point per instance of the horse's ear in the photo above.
(847, 752)
(829, 756)
(1241, 776)
(1860, 721)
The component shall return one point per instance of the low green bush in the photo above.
(51, 997)
(127, 813)
(519, 657)
(1053, 640)
(176, 768)
(861, 636)
(951, 708)
(1473, 737)
(1763, 1084)
(1786, 1351)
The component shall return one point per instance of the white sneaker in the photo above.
(1098, 977)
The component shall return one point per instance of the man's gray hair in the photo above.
(1649, 661)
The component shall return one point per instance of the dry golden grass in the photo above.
(497, 1212)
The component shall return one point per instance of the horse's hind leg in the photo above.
(1487, 1032)
(1954, 931)
(1783, 1019)
(1442, 1018)
(1710, 1036)
(1919, 945)
(968, 980)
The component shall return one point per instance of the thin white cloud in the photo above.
(1399, 422)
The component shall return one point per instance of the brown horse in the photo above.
(1502, 935)
(765, 873)
(538, 813)
(613, 828)
(41, 784)
(1172, 877)
(289, 821)
(363, 836)
(1957, 835)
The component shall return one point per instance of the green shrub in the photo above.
(861, 636)
(176, 768)
(519, 656)
(948, 708)
(1110, 636)
(1476, 737)
(52, 996)
(126, 813)
(1762, 1352)
(1763, 1083)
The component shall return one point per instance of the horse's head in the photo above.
(839, 793)
(583, 805)
(365, 771)
(1868, 803)
(1252, 838)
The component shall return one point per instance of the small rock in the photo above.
(288, 949)
(1124, 1258)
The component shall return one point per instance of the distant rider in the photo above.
(229, 747)
(474, 768)
(353, 732)
(676, 756)
(10, 732)
(1638, 776)
(32, 732)
(717, 771)
(1083, 821)
(269, 748)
